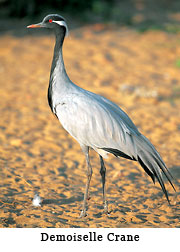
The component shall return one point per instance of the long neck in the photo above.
(58, 73)
(59, 79)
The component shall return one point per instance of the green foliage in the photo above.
(177, 63)
(21, 8)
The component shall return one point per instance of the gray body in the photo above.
(97, 123)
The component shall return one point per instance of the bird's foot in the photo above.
(83, 213)
(106, 208)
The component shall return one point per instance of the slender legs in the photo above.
(103, 177)
(89, 175)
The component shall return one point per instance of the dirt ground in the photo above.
(138, 71)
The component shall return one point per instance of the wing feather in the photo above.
(96, 123)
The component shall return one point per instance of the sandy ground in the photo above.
(138, 71)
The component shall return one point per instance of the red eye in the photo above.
(50, 20)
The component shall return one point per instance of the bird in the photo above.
(95, 122)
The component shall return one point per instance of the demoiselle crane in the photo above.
(96, 122)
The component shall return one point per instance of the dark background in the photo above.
(139, 14)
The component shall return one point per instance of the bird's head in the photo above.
(52, 21)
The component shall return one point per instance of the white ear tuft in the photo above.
(62, 23)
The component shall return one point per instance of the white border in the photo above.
(151, 239)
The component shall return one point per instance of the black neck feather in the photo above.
(60, 34)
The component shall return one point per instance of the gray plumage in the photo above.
(95, 122)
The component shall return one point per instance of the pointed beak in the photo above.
(39, 25)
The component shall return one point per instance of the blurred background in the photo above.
(141, 14)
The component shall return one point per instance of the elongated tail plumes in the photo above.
(152, 163)
(149, 159)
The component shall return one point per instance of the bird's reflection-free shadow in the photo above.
(62, 201)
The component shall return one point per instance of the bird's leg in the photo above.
(103, 176)
(89, 175)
